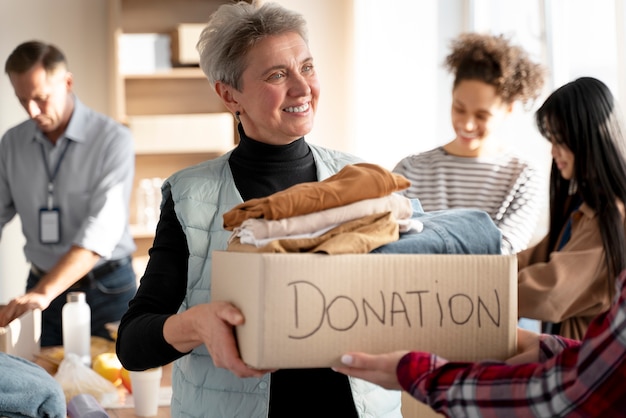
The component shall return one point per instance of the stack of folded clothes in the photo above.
(356, 211)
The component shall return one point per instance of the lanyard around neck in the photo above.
(52, 175)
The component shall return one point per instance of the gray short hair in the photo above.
(235, 28)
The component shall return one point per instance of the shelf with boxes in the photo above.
(160, 92)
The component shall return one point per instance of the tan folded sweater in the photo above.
(352, 183)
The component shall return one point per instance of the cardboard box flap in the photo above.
(22, 336)
(305, 310)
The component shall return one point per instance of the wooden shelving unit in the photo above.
(174, 91)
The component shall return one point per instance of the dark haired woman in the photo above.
(569, 277)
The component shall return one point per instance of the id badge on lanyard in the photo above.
(50, 216)
(49, 225)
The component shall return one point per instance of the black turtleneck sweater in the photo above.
(258, 170)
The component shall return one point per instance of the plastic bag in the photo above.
(76, 378)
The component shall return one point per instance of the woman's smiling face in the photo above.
(280, 90)
(476, 112)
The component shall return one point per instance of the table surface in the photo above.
(50, 357)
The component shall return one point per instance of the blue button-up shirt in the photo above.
(92, 187)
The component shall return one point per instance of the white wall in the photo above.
(331, 41)
(400, 50)
(397, 67)
(79, 28)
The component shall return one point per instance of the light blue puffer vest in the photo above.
(202, 194)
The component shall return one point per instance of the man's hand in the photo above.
(70, 268)
(20, 305)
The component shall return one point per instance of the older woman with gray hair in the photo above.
(257, 59)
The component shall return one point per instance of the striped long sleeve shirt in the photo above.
(505, 186)
(572, 379)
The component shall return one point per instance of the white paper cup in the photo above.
(145, 387)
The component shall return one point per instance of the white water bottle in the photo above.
(76, 320)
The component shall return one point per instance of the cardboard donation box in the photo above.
(306, 310)
(22, 336)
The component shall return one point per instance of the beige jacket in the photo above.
(574, 285)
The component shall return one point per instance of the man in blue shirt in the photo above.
(67, 172)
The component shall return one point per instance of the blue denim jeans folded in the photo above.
(450, 231)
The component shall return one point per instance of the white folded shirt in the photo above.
(259, 232)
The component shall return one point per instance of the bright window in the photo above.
(403, 93)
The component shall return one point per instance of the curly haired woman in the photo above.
(474, 169)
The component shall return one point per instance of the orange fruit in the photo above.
(125, 376)
(108, 366)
